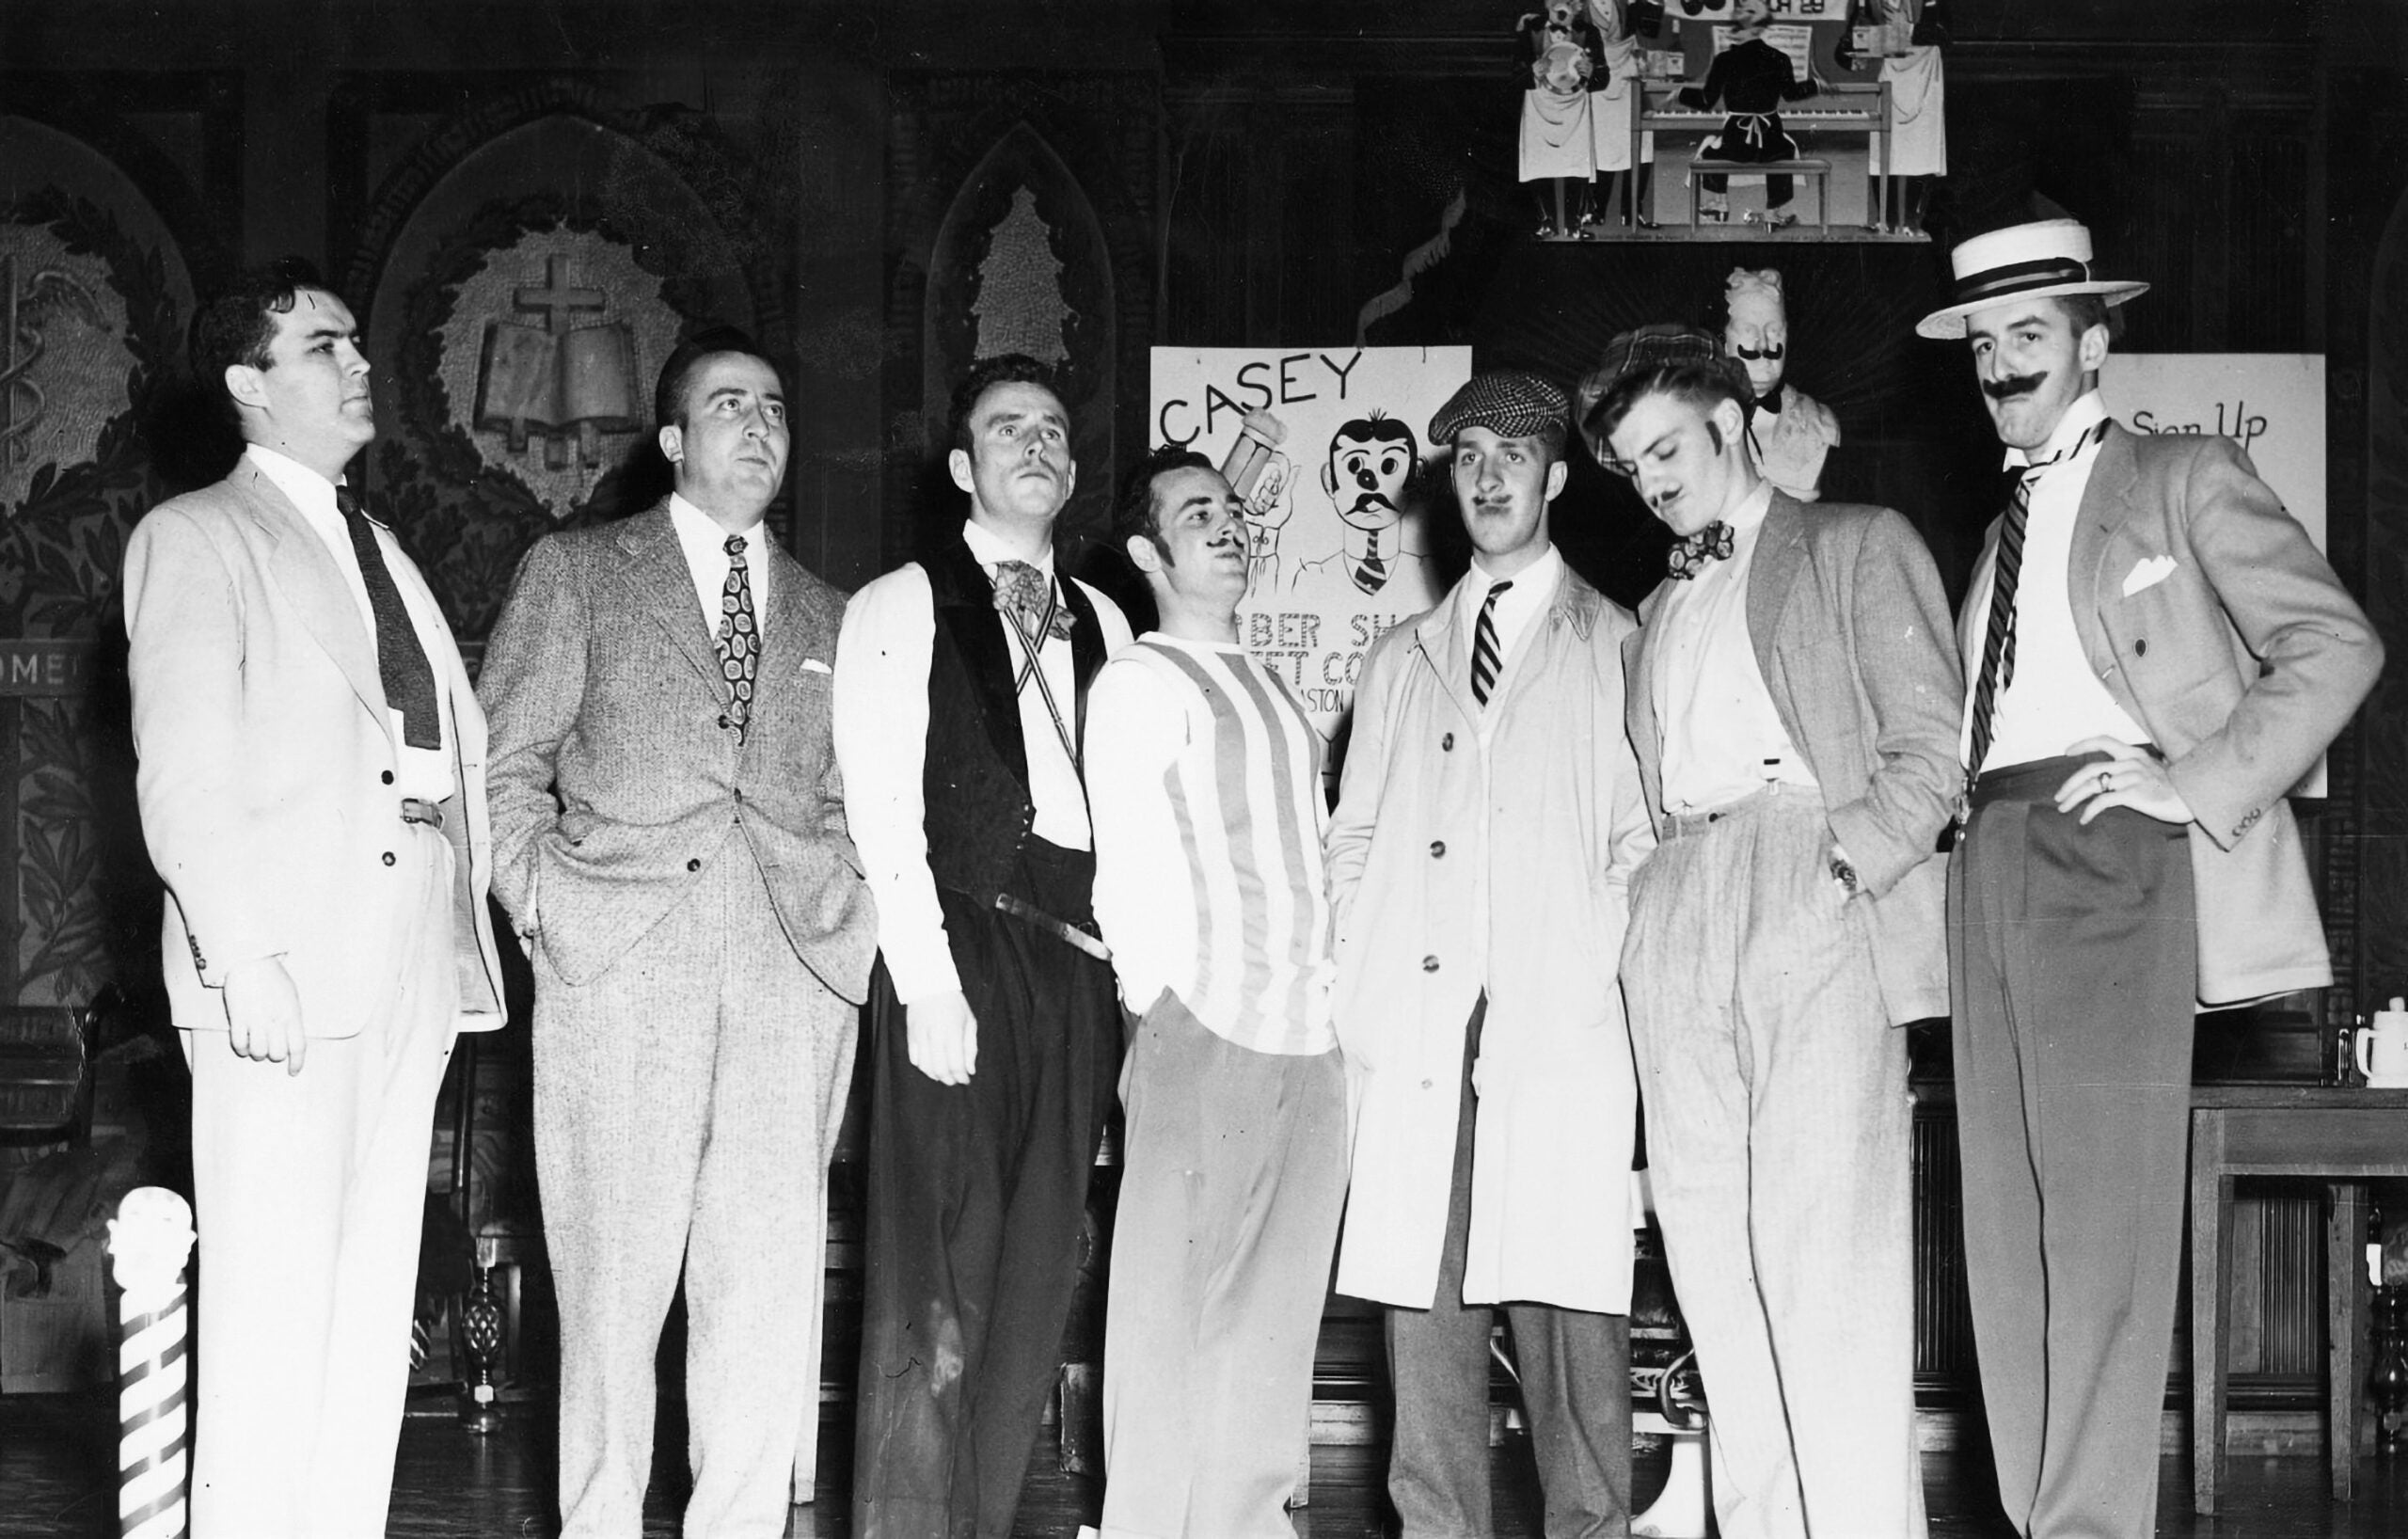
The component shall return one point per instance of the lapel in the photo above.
(1638, 696)
(660, 583)
(2106, 504)
(1778, 563)
(315, 590)
(1440, 642)
(787, 627)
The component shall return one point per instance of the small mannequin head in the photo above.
(1755, 327)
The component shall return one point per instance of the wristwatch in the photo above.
(1844, 874)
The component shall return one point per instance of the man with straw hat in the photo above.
(2156, 655)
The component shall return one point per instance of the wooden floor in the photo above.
(57, 1467)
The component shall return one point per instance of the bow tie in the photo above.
(1028, 594)
(1690, 554)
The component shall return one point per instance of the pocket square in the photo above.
(2147, 573)
(813, 665)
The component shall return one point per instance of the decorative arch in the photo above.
(1019, 263)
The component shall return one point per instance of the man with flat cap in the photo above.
(1488, 820)
(2158, 656)
(1792, 701)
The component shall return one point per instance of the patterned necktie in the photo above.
(1022, 590)
(1691, 553)
(1370, 573)
(400, 659)
(1487, 658)
(739, 640)
(1998, 642)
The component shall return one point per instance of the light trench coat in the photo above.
(1449, 878)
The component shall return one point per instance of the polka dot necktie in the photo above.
(739, 640)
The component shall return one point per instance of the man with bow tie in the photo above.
(670, 840)
(1793, 702)
(995, 1029)
(312, 792)
(2158, 656)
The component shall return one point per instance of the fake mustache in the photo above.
(1999, 389)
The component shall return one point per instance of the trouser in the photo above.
(1574, 1371)
(2073, 955)
(1735, 143)
(1233, 1176)
(976, 1195)
(686, 1102)
(309, 1192)
(1778, 1145)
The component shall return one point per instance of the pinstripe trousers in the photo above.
(1778, 1131)
(685, 1104)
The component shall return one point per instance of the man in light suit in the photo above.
(1792, 699)
(670, 835)
(312, 792)
(2158, 654)
(1487, 824)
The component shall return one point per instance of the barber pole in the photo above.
(149, 1241)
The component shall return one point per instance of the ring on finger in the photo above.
(2106, 780)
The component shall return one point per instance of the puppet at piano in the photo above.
(1557, 150)
(1789, 431)
(1610, 115)
(1748, 80)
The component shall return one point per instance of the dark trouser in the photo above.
(975, 1197)
(1234, 1173)
(1735, 144)
(1574, 1369)
(2074, 957)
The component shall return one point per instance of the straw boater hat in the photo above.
(2035, 260)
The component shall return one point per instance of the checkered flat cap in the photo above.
(1638, 351)
(1507, 402)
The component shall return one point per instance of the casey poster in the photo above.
(1339, 536)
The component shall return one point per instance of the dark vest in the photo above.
(975, 780)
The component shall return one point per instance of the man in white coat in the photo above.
(312, 793)
(1488, 819)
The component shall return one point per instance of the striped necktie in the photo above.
(1486, 659)
(739, 639)
(1998, 643)
(1370, 573)
(401, 658)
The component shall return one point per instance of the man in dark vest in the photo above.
(961, 685)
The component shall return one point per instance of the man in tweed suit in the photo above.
(1793, 700)
(670, 839)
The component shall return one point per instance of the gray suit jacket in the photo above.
(1850, 630)
(613, 778)
(2216, 624)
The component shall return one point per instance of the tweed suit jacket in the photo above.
(614, 776)
(2216, 624)
(266, 765)
(1850, 629)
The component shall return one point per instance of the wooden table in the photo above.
(2341, 1136)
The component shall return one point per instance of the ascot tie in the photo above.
(1487, 658)
(738, 638)
(1022, 591)
(401, 659)
(1370, 573)
(1998, 642)
(1691, 553)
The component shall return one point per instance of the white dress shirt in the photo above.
(1532, 589)
(705, 546)
(425, 773)
(2055, 700)
(881, 732)
(1722, 739)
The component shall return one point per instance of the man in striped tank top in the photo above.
(1204, 786)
